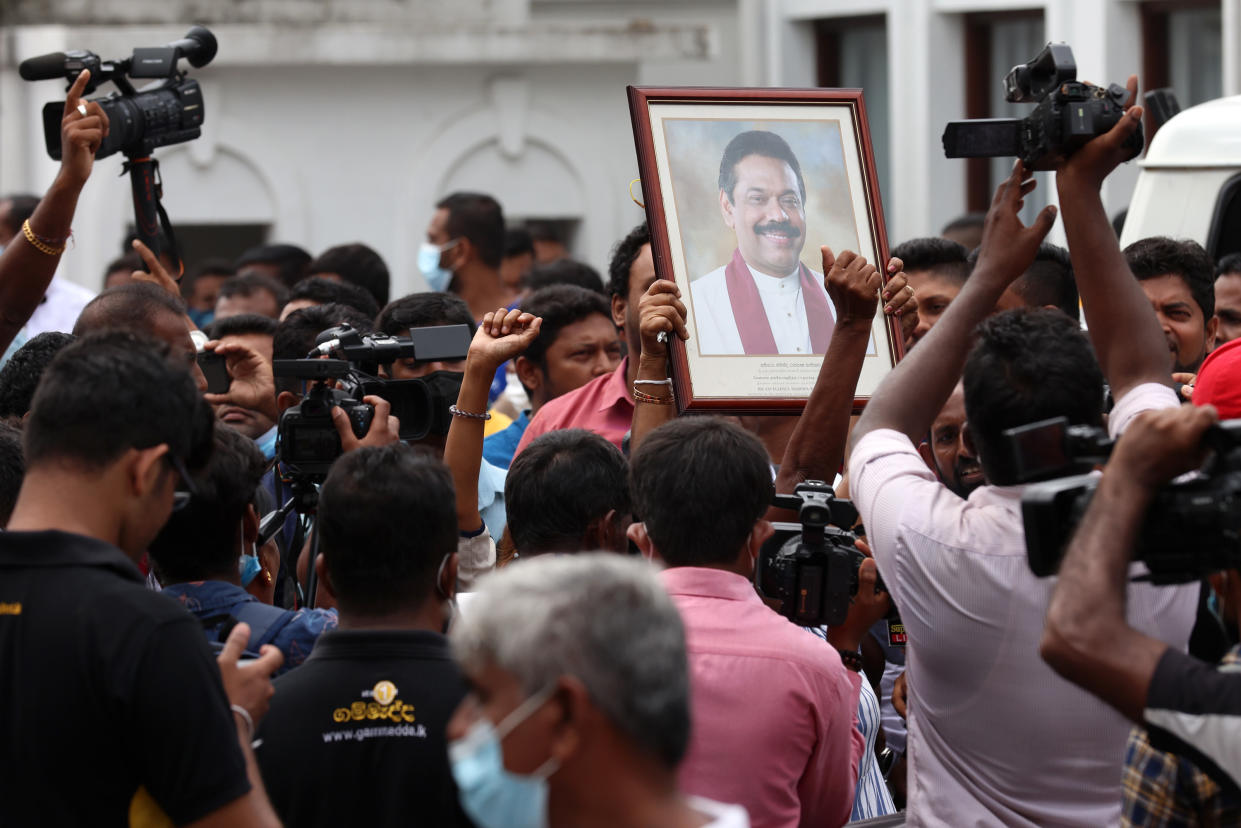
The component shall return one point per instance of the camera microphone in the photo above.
(43, 67)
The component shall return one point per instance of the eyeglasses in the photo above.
(181, 498)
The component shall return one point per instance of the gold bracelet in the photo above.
(642, 396)
(49, 247)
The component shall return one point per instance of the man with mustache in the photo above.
(762, 199)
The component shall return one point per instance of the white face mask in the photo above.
(429, 257)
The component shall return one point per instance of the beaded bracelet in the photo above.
(851, 660)
(642, 396)
(49, 247)
(469, 415)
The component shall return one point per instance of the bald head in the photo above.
(141, 307)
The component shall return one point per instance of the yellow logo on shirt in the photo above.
(14, 608)
(384, 706)
(384, 692)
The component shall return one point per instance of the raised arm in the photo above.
(502, 335)
(27, 267)
(816, 448)
(1127, 338)
(913, 393)
(660, 311)
(1087, 639)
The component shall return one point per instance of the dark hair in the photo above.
(113, 391)
(289, 258)
(969, 221)
(564, 272)
(518, 242)
(241, 325)
(421, 310)
(624, 255)
(700, 484)
(1047, 282)
(545, 231)
(248, 284)
(560, 306)
(201, 541)
(756, 142)
(20, 375)
(1027, 365)
(324, 291)
(128, 263)
(358, 265)
(1229, 264)
(944, 257)
(12, 470)
(21, 208)
(479, 218)
(130, 307)
(296, 335)
(387, 517)
(207, 267)
(559, 485)
(1118, 222)
(1159, 256)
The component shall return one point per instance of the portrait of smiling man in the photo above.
(764, 300)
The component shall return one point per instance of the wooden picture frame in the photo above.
(742, 357)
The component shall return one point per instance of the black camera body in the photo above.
(307, 440)
(1068, 113)
(167, 112)
(1191, 529)
(811, 568)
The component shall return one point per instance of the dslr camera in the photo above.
(1067, 114)
(307, 440)
(169, 111)
(1193, 525)
(811, 567)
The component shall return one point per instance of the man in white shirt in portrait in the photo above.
(764, 301)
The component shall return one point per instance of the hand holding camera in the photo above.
(83, 128)
(382, 429)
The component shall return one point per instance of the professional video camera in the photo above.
(1192, 528)
(308, 440)
(811, 568)
(169, 111)
(1068, 114)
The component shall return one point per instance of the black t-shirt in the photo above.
(106, 688)
(356, 735)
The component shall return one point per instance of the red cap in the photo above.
(1219, 381)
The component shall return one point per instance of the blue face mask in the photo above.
(429, 255)
(493, 796)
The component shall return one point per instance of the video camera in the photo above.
(168, 112)
(1192, 528)
(1068, 114)
(308, 442)
(811, 568)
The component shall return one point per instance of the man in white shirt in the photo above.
(762, 199)
(995, 737)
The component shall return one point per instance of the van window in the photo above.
(1225, 235)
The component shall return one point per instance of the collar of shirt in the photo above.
(381, 644)
(706, 582)
(208, 595)
(267, 442)
(615, 390)
(777, 285)
(53, 548)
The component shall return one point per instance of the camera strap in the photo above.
(148, 191)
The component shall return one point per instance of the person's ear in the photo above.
(575, 711)
(250, 525)
(286, 400)
(727, 210)
(619, 306)
(457, 256)
(928, 456)
(637, 533)
(325, 579)
(759, 535)
(529, 374)
(612, 532)
(1212, 330)
(447, 585)
(146, 469)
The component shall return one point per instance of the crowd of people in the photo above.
(541, 608)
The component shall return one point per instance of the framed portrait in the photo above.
(741, 188)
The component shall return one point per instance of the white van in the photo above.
(1190, 183)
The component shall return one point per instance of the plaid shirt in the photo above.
(1164, 790)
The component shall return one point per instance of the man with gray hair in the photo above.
(579, 673)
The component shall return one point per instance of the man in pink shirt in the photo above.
(605, 404)
(773, 707)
